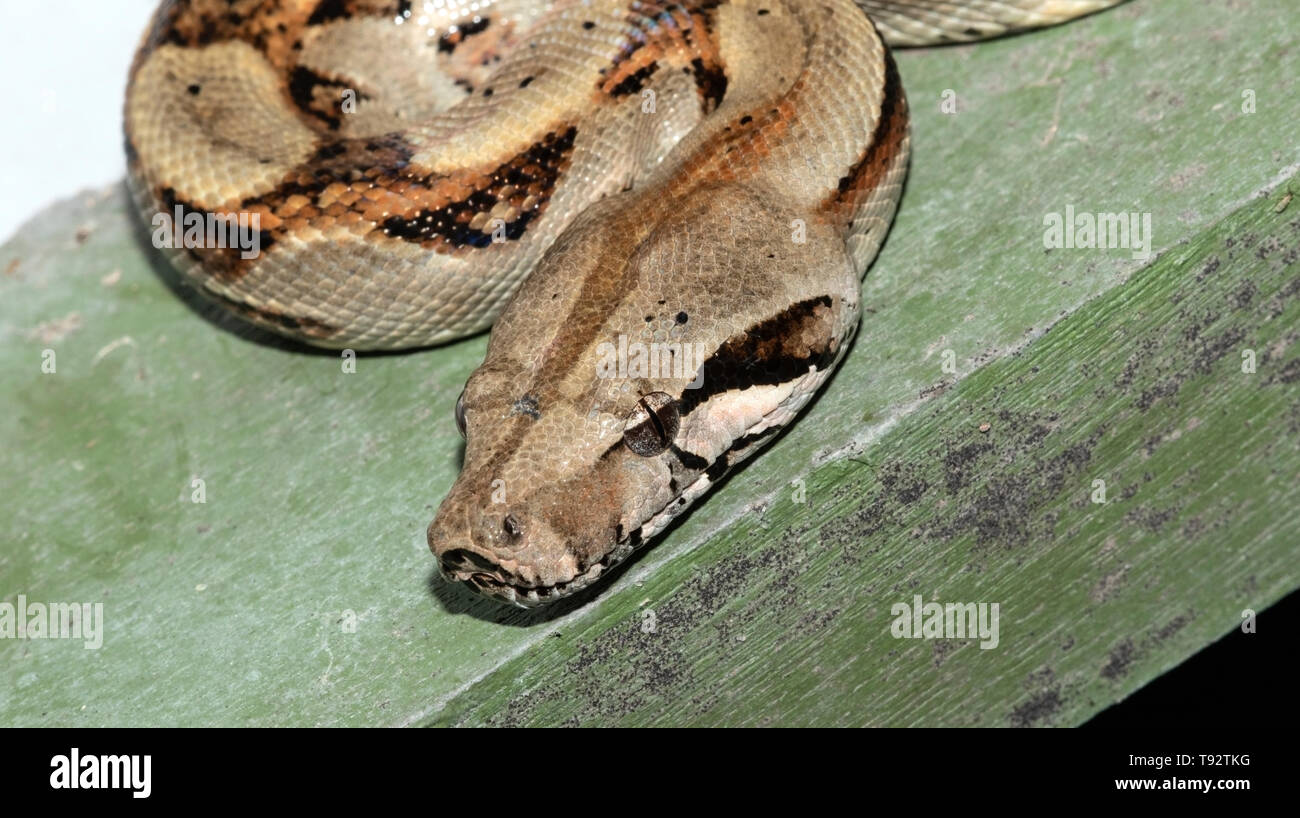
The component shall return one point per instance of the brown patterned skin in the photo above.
(589, 175)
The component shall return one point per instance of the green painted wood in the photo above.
(302, 592)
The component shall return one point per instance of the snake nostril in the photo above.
(461, 561)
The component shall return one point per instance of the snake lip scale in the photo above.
(529, 597)
(706, 179)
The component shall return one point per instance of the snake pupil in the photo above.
(652, 424)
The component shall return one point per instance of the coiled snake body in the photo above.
(665, 206)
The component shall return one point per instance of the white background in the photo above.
(64, 66)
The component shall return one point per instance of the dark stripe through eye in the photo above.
(773, 351)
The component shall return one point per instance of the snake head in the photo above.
(613, 395)
(550, 497)
(566, 475)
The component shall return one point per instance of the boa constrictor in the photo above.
(665, 206)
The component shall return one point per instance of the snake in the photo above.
(663, 209)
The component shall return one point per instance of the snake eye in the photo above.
(511, 526)
(652, 424)
(460, 414)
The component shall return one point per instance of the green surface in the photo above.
(302, 591)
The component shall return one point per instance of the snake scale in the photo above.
(663, 208)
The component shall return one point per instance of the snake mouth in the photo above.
(493, 581)
(525, 596)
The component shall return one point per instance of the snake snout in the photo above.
(512, 553)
